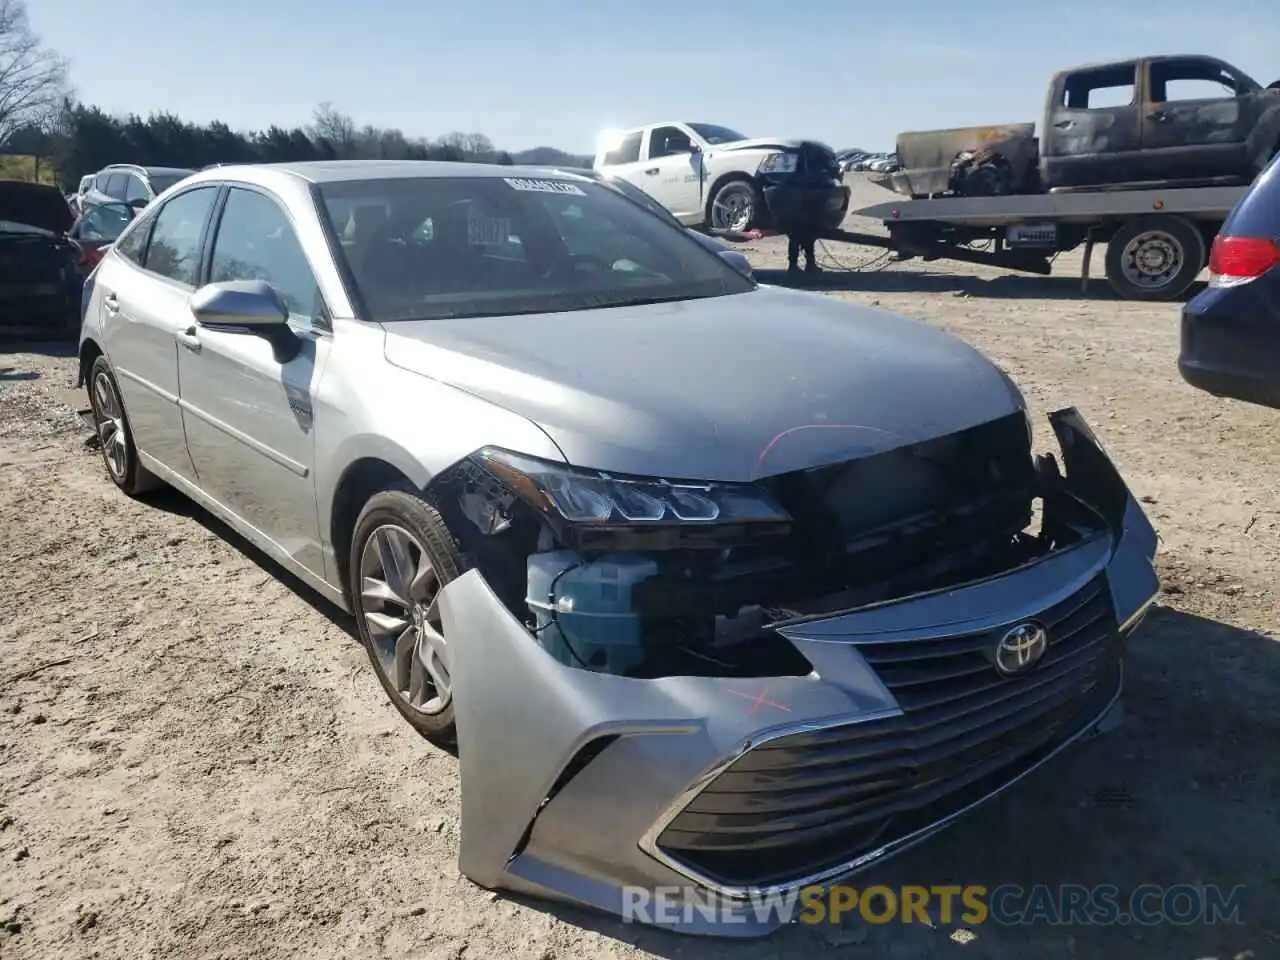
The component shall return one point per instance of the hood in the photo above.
(730, 388)
(759, 143)
(35, 205)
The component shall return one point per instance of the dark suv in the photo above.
(132, 184)
(1231, 331)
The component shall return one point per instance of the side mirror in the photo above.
(251, 304)
(694, 148)
(738, 261)
(137, 204)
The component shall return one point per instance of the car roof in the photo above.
(145, 169)
(340, 171)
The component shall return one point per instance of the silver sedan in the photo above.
(716, 587)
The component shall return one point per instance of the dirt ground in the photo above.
(195, 760)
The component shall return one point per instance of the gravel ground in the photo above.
(195, 760)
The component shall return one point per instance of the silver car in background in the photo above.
(713, 585)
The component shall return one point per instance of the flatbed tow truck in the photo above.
(1157, 238)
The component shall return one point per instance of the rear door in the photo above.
(1196, 120)
(143, 288)
(1094, 132)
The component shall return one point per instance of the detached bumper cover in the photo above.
(577, 784)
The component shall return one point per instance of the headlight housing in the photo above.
(594, 510)
(776, 163)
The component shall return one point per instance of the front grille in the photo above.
(809, 802)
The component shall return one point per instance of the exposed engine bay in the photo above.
(707, 598)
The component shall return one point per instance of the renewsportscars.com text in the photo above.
(1008, 904)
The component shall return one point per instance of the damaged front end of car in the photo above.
(741, 690)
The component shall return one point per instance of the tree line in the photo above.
(40, 116)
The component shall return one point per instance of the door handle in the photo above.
(1158, 117)
(652, 170)
(111, 304)
(190, 339)
(1063, 124)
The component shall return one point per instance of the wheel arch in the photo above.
(88, 353)
(364, 475)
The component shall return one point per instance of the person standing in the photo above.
(797, 242)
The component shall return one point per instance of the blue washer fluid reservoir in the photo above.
(583, 609)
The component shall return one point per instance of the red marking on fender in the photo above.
(761, 700)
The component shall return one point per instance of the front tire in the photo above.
(402, 556)
(736, 206)
(115, 436)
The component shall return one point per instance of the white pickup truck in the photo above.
(713, 178)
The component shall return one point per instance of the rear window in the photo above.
(1257, 214)
(434, 247)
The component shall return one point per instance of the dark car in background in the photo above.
(40, 275)
(1231, 330)
(131, 183)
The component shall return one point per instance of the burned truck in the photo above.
(1150, 122)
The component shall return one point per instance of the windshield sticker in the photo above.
(544, 186)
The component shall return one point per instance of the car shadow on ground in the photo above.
(171, 501)
(1011, 287)
(1185, 792)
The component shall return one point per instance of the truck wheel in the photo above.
(736, 206)
(1155, 258)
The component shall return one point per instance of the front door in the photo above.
(670, 172)
(246, 407)
(1195, 124)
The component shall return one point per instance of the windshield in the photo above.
(433, 247)
(160, 182)
(103, 224)
(715, 135)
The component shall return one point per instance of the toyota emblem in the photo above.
(1021, 648)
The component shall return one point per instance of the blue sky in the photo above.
(550, 72)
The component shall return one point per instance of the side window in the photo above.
(133, 247)
(135, 189)
(174, 251)
(1102, 89)
(667, 142)
(1190, 80)
(256, 241)
(101, 181)
(116, 185)
(627, 151)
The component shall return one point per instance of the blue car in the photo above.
(1231, 330)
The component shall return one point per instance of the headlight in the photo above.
(590, 509)
(778, 163)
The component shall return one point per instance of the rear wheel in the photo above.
(115, 437)
(1155, 258)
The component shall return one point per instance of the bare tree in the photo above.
(33, 79)
(338, 129)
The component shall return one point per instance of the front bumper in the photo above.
(578, 785)
(798, 207)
